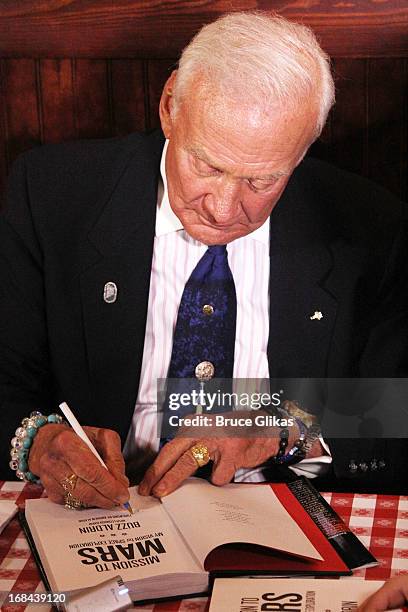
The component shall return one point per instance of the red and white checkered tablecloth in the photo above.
(380, 521)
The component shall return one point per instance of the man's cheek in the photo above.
(256, 212)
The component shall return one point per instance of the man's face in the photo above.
(226, 167)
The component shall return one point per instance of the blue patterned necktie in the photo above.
(206, 322)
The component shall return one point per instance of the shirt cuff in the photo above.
(315, 466)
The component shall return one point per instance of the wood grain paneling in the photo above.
(3, 135)
(22, 116)
(93, 112)
(128, 100)
(387, 127)
(96, 69)
(57, 100)
(126, 28)
(349, 119)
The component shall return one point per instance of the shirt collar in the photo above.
(168, 222)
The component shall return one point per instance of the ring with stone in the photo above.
(200, 454)
(68, 483)
(72, 503)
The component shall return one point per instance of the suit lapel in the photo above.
(302, 307)
(122, 242)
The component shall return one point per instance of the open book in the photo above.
(170, 547)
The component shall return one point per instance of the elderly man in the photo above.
(99, 241)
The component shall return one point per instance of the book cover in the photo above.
(295, 594)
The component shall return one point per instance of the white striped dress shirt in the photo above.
(175, 255)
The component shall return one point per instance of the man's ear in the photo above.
(166, 102)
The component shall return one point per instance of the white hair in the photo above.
(263, 58)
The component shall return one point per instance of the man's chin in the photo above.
(210, 235)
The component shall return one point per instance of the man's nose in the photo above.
(224, 201)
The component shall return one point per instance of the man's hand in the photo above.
(229, 453)
(57, 452)
(394, 594)
(175, 462)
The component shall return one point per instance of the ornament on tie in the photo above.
(204, 371)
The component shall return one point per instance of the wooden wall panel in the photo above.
(57, 100)
(128, 99)
(387, 123)
(96, 69)
(93, 111)
(3, 135)
(138, 28)
(22, 117)
(349, 119)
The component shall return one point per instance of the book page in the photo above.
(83, 548)
(209, 516)
(298, 595)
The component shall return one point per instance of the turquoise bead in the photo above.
(23, 453)
(42, 420)
(31, 431)
(53, 418)
(27, 442)
(22, 465)
(30, 476)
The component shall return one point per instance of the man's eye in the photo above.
(259, 185)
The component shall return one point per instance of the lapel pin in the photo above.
(110, 293)
(316, 316)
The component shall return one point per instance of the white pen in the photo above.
(73, 421)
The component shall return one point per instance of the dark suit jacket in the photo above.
(82, 214)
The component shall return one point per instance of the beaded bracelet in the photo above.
(307, 437)
(22, 442)
(295, 454)
(283, 442)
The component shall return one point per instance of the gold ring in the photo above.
(200, 454)
(68, 483)
(72, 503)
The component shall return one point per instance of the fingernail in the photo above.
(159, 491)
(122, 499)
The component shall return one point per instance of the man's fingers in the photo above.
(166, 459)
(185, 466)
(89, 496)
(53, 488)
(56, 470)
(100, 479)
(393, 594)
(223, 471)
(70, 448)
(108, 444)
(118, 474)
